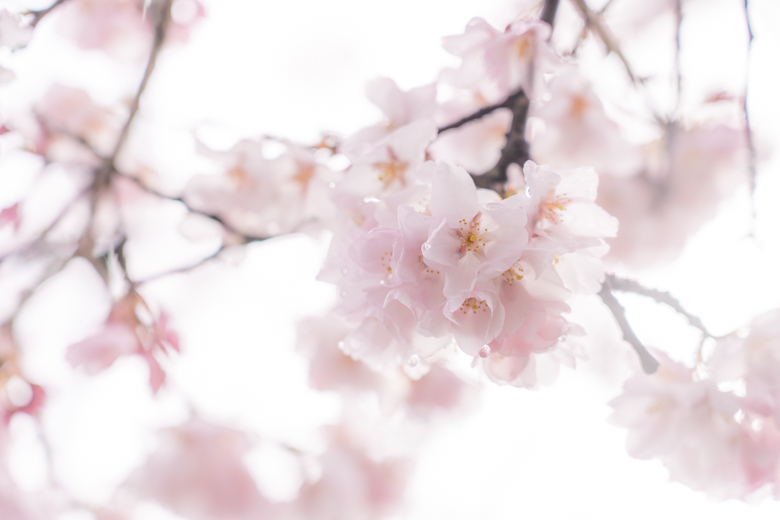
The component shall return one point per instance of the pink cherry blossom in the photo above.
(73, 112)
(329, 367)
(577, 131)
(510, 60)
(754, 360)
(198, 472)
(263, 196)
(10, 215)
(692, 427)
(352, 485)
(123, 27)
(13, 32)
(398, 108)
(124, 334)
(674, 194)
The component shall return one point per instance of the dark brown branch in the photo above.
(38, 15)
(548, 11)
(748, 130)
(632, 286)
(482, 112)
(649, 363)
(515, 150)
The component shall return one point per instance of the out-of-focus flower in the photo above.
(265, 197)
(499, 63)
(13, 33)
(124, 334)
(676, 192)
(352, 485)
(198, 472)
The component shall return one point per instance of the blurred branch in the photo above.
(42, 236)
(649, 363)
(183, 269)
(595, 24)
(246, 237)
(632, 286)
(160, 12)
(38, 15)
(677, 70)
(748, 130)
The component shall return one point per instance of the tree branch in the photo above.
(548, 11)
(748, 130)
(632, 286)
(515, 150)
(245, 236)
(38, 15)
(594, 23)
(482, 112)
(161, 14)
(649, 363)
(677, 69)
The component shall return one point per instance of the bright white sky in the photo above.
(293, 68)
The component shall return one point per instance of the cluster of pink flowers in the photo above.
(125, 333)
(429, 265)
(438, 260)
(422, 257)
(714, 426)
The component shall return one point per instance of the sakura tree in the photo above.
(582, 185)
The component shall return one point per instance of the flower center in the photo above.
(552, 206)
(514, 273)
(524, 47)
(578, 107)
(471, 235)
(473, 305)
(304, 175)
(391, 170)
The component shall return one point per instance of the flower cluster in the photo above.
(430, 258)
(716, 426)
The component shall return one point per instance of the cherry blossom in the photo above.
(674, 193)
(198, 471)
(467, 228)
(352, 484)
(264, 196)
(125, 334)
(501, 62)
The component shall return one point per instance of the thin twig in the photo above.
(595, 24)
(649, 363)
(482, 112)
(40, 238)
(593, 21)
(161, 13)
(677, 68)
(186, 268)
(748, 130)
(229, 228)
(632, 286)
(38, 15)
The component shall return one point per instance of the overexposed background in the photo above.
(294, 68)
